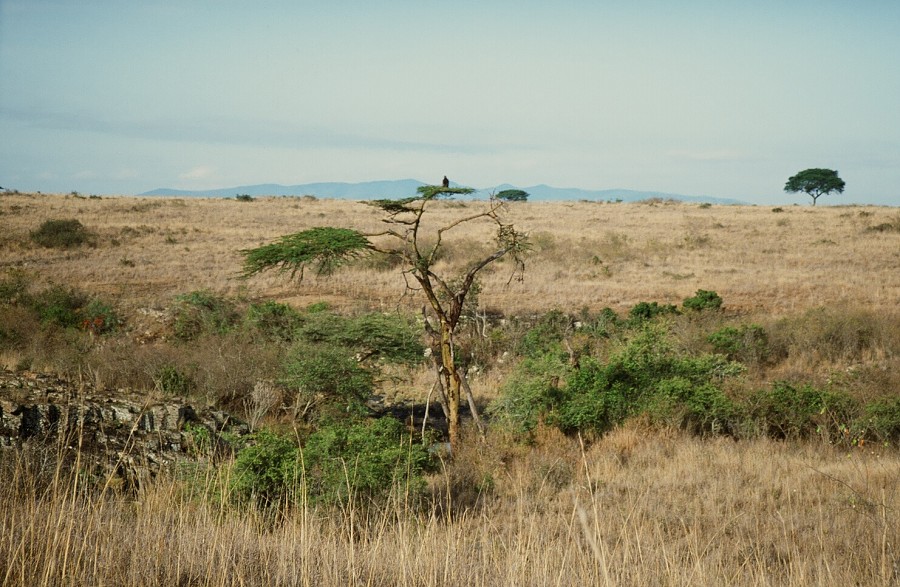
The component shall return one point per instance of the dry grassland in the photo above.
(585, 254)
(637, 507)
(633, 509)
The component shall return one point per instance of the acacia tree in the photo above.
(327, 248)
(815, 183)
(513, 195)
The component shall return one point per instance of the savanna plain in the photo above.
(672, 394)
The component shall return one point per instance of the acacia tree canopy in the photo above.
(326, 248)
(513, 195)
(815, 182)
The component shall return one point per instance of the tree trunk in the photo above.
(451, 378)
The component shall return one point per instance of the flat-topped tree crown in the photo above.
(324, 247)
(815, 182)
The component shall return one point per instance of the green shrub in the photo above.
(365, 460)
(244, 198)
(268, 470)
(327, 377)
(788, 411)
(61, 234)
(748, 343)
(645, 376)
(546, 335)
(882, 420)
(703, 300)
(60, 306)
(340, 462)
(274, 321)
(202, 312)
(529, 393)
(170, 380)
(391, 337)
(644, 311)
(99, 318)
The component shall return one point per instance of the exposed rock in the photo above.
(126, 437)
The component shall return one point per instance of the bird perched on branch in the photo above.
(446, 182)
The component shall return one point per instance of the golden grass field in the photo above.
(585, 254)
(639, 506)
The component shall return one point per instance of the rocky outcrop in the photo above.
(123, 436)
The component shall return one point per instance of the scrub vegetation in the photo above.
(675, 394)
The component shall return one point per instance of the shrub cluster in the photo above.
(61, 234)
(359, 461)
(642, 372)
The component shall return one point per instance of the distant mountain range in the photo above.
(407, 187)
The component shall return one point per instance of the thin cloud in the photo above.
(199, 172)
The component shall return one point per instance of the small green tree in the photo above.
(327, 248)
(815, 182)
(513, 195)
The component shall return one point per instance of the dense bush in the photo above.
(748, 343)
(365, 460)
(546, 335)
(785, 410)
(327, 378)
(646, 376)
(171, 380)
(60, 306)
(881, 420)
(391, 337)
(61, 234)
(268, 470)
(643, 311)
(339, 462)
(202, 312)
(276, 322)
(703, 300)
(529, 393)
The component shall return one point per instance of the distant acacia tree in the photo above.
(327, 248)
(815, 182)
(513, 195)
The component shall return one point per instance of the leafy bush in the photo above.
(244, 198)
(365, 460)
(389, 336)
(643, 311)
(529, 393)
(703, 300)
(268, 470)
(882, 420)
(327, 377)
(646, 376)
(546, 335)
(789, 411)
(748, 343)
(61, 234)
(278, 322)
(339, 462)
(202, 312)
(99, 318)
(170, 380)
(61, 306)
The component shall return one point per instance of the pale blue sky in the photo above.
(695, 97)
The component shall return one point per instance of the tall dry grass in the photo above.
(636, 508)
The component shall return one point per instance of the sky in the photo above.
(717, 98)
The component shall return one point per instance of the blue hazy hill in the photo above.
(401, 188)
